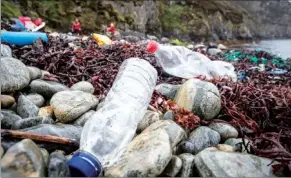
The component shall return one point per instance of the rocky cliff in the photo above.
(187, 19)
(273, 18)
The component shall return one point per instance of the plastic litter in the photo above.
(242, 75)
(22, 38)
(278, 71)
(256, 57)
(106, 135)
(102, 40)
(182, 62)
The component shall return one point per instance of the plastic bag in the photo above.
(182, 62)
(101, 40)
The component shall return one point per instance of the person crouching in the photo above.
(76, 27)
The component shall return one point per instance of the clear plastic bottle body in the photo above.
(113, 126)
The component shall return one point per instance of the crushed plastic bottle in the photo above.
(182, 62)
(107, 133)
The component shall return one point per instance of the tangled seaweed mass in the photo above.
(259, 106)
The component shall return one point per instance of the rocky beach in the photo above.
(50, 90)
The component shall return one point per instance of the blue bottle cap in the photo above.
(84, 164)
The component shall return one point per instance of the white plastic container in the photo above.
(182, 62)
(106, 135)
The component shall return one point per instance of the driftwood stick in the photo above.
(38, 137)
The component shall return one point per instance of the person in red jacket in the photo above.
(112, 33)
(76, 27)
(111, 29)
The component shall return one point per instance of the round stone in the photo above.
(224, 147)
(35, 98)
(199, 139)
(46, 111)
(14, 75)
(35, 73)
(69, 105)
(83, 86)
(6, 101)
(200, 97)
(169, 115)
(225, 130)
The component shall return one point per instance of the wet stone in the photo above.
(227, 164)
(24, 157)
(6, 143)
(6, 101)
(14, 75)
(187, 165)
(35, 98)
(64, 130)
(8, 118)
(13, 108)
(83, 86)
(83, 119)
(168, 90)
(58, 166)
(25, 108)
(149, 118)
(173, 167)
(225, 147)
(45, 155)
(199, 139)
(35, 73)
(226, 131)
(213, 51)
(176, 133)
(46, 111)
(46, 88)
(1, 151)
(147, 155)
(237, 144)
(212, 148)
(200, 97)
(169, 115)
(5, 172)
(69, 105)
(32, 121)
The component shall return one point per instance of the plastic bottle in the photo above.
(182, 62)
(107, 133)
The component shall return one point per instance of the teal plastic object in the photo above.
(264, 60)
(22, 38)
(254, 59)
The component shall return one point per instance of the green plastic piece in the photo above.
(254, 59)
(264, 60)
